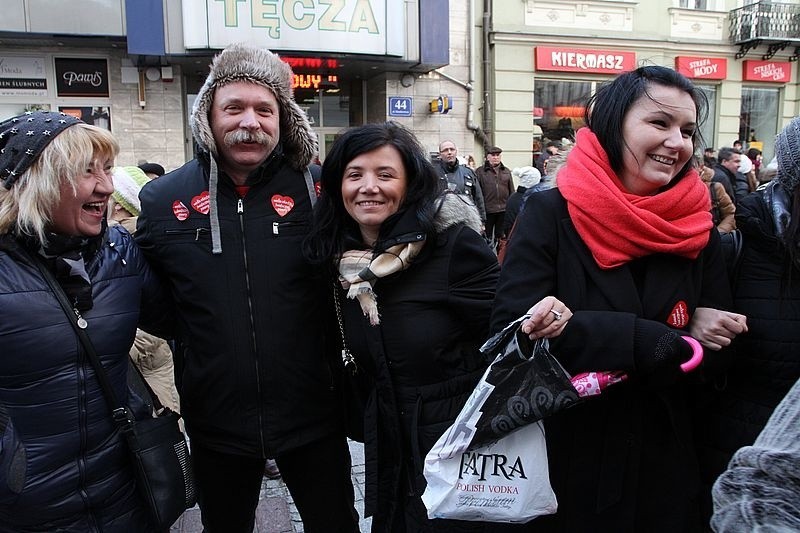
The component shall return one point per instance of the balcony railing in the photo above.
(771, 23)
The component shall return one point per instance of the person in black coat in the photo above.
(626, 242)
(760, 490)
(726, 172)
(64, 464)
(416, 281)
(767, 286)
(527, 177)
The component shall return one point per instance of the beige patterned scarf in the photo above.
(359, 269)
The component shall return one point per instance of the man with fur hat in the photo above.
(255, 361)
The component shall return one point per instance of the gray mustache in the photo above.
(242, 136)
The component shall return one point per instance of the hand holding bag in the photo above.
(158, 450)
(491, 464)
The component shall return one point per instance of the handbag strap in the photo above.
(119, 412)
(348, 360)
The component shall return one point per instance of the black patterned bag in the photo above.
(528, 384)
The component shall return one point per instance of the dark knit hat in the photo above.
(787, 152)
(24, 137)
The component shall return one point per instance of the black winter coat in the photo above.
(621, 461)
(767, 290)
(63, 464)
(425, 362)
(513, 207)
(253, 368)
(462, 180)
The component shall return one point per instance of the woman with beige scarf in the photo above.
(416, 281)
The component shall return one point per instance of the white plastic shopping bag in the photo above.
(503, 481)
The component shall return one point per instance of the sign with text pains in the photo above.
(772, 71)
(706, 68)
(566, 59)
(81, 77)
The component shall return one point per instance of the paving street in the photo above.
(276, 512)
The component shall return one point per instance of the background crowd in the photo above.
(261, 268)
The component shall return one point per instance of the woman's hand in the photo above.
(547, 318)
(714, 328)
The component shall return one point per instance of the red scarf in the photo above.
(618, 226)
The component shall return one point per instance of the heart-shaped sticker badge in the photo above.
(200, 203)
(180, 210)
(679, 317)
(282, 204)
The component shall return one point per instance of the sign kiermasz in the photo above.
(319, 26)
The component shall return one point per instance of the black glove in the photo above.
(657, 346)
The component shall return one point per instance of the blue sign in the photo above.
(399, 106)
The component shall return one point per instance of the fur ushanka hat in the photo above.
(240, 62)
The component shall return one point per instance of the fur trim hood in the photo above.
(452, 209)
(240, 62)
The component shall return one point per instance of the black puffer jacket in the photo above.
(63, 465)
(423, 358)
(252, 369)
(768, 355)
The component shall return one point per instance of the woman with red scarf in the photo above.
(627, 243)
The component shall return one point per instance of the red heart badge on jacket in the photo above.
(679, 317)
(180, 210)
(282, 204)
(201, 203)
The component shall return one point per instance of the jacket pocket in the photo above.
(288, 228)
(13, 460)
(188, 235)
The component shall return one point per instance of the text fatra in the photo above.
(493, 465)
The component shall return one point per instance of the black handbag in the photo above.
(355, 385)
(158, 450)
(528, 384)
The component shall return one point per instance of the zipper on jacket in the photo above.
(240, 211)
(82, 423)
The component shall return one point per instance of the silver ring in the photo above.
(556, 314)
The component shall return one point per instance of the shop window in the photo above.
(694, 4)
(559, 108)
(708, 127)
(326, 105)
(758, 120)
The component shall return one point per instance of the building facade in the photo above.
(477, 72)
(549, 56)
(136, 66)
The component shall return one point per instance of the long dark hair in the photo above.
(333, 231)
(791, 237)
(607, 108)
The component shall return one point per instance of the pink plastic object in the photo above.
(697, 354)
(593, 383)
